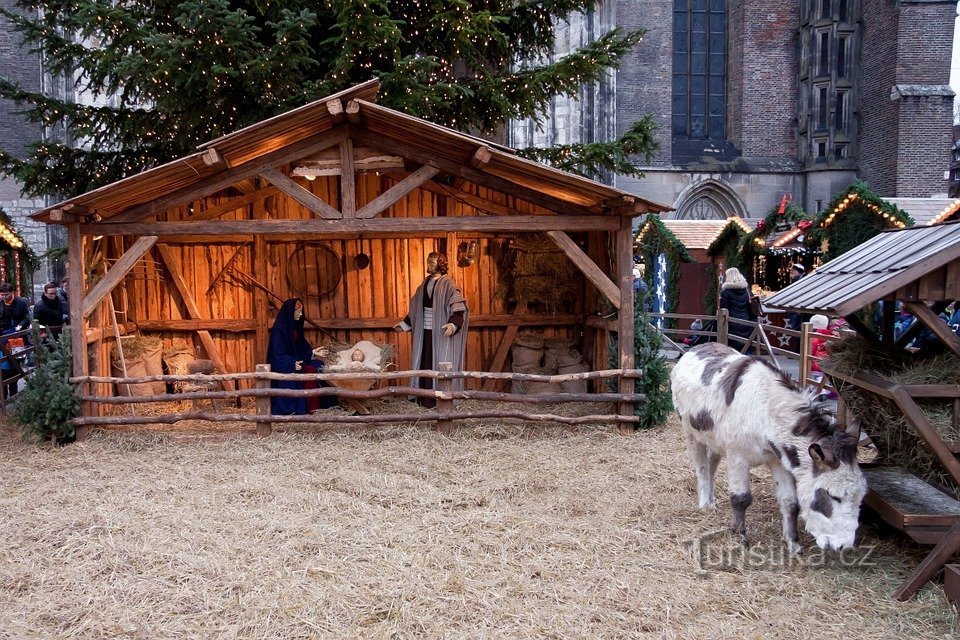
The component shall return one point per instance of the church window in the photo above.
(699, 69)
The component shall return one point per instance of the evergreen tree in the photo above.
(180, 72)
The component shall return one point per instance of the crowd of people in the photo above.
(51, 311)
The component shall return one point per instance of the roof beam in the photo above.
(116, 274)
(396, 192)
(320, 227)
(228, 178)
(485, 179)
(309, 200)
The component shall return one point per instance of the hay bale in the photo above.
(897, 441)
(141, 355)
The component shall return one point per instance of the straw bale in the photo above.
(898, 443)
(400, 532)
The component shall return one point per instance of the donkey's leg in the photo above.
(785, 488)
(738, 480)
(705, 465)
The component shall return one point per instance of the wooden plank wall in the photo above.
(381, 291)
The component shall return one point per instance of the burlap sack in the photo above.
(135, 368)
(152, 354)
(574, 386)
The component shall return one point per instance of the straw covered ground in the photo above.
(399, 532)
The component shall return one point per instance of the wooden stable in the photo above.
(919, 266)
(337, 202)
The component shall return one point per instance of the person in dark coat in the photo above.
(16, 309)
(735, 298)
(289, 352)
(49, 310)
(795, 319)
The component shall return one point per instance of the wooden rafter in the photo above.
(224, 179)
(933, 322)
(494, 182)
(309, 200)
(193, 309)
(396, 192)
(587, 266)
(116, 274)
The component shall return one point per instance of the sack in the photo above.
(755, 308)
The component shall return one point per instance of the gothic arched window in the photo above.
(699, 69)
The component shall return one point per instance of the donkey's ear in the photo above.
(823, 458)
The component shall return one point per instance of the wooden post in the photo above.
(806, 331)
(265, 427)
(723, 326)
(625, 319)
(445, 385)
(259, 265)
(78, 324)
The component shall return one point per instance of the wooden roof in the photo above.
(927, 211)
(917, 263)
(372, 125)
(700, 234)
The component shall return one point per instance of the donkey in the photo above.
(742, 408)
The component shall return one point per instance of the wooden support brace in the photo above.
(589, 268)
(935, 324)
(397, 191)
(625, 312)
(116, 274)
(348, 176)
(265, 427)
(176, 276)
(306, 198)
(445, 385)
(941, 554)
(78, 323)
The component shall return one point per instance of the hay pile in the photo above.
(537, 274)
(897, 441)
(399, 532)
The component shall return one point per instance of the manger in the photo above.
(206, 252)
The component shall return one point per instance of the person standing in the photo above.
(438, 318)
(48, 311)
(795, 318)
(15, 309)
(735, 298)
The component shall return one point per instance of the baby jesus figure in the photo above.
(363, 356)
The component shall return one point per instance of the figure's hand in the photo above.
(298, 365)
(321, 352)
(449, 329)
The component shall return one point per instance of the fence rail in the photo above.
(443, 396)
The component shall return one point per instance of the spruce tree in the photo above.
(178, 73)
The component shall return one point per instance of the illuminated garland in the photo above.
(653, 239)
(854, 216)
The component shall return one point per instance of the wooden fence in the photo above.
(444, 413)
(16, 362)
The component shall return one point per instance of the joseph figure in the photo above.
(438, 318)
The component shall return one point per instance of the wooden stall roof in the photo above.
(700, 234)
(410, 137)
(927, 211)
(886, 264)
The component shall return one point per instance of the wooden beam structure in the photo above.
(224, 179)
(396, 192)
(193, 309)
(588, 267)
(933, 322)
(348, 180)
(78, 323)
(625, 313)
(116, 274)
(301, 195)
(412, 227)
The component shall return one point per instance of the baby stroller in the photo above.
(696, 338)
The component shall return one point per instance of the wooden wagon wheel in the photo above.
(313, 270)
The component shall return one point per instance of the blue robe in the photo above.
(288, 345)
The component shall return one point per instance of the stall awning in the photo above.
(884, 265)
